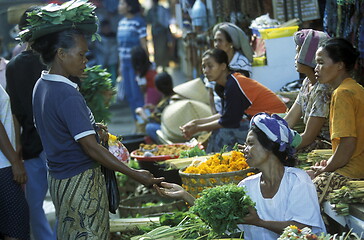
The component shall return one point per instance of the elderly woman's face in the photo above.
(254, 152)
(75, 60)
(221, 43)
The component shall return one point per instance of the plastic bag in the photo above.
(118, 149)
(111, 189)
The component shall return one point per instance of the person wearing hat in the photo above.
(242, 97)
(66, 125)
(313, 100)
(230, 38)
(22, 73)
(284, 195)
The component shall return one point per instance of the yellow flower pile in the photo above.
(219, 163)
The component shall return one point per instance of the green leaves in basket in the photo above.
(75, 12)
(223, 207)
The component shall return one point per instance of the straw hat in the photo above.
(194, 89)
(178, 114)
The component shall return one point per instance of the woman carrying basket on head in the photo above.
(65, 126)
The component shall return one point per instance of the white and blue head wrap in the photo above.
(277, 130)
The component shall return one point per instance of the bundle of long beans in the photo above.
(353, 192)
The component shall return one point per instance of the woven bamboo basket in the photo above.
(196, 183)
(132, 207)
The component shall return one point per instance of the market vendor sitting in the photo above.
(242, 97)
(313, 100)
(336, 59)
(284, 195)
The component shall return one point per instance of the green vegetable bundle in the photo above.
(52, 18)
(191, 227)
(193, 152)
(223, 207)
(97, 90)
(341, 198)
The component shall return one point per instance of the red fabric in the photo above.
(152, 95)
(149, 76)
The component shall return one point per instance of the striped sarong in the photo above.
(81, 206)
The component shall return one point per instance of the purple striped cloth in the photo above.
(309, 41)
(277, 130)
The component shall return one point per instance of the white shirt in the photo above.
(6, 119)
(295, 200)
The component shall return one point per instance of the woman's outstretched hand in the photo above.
(175, 191)
(171, 190)
(146, 178)
(189, 129)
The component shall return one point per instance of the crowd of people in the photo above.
(50, 140)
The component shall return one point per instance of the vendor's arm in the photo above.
(312, 130)
(274, 226)
(104, 157)
(7, 149)
(199, 125)
(17, 130)
(341, 156)
(175, 191)
(294, 114)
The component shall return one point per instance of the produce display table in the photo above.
(353, 221)
(129, 224)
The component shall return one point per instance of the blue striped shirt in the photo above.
(130, 31)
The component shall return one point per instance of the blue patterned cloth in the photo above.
(277, 130)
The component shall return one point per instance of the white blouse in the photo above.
(295, 200)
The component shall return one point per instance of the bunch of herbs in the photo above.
(97, 88)
(223, 207)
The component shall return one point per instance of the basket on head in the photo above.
(196, 183)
